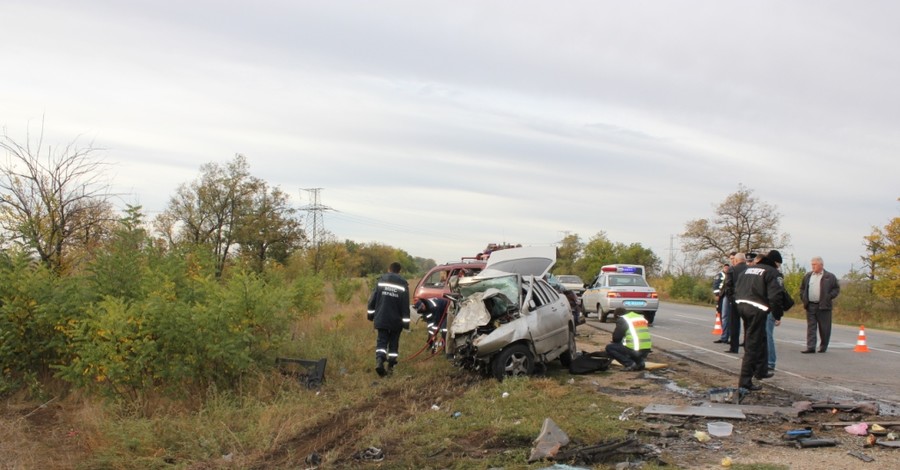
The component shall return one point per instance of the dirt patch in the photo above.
(39, 436)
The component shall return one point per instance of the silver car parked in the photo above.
(507, 319)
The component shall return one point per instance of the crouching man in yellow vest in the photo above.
(630, 341)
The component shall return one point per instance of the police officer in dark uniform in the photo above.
(434, 312)
(758, 291)
(389, 308)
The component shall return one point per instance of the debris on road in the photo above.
(685, 410)
(860, 456)
(548, 442)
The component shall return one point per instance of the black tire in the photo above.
(566, 358)
(514, 360)
(603, 314)
(650, 316)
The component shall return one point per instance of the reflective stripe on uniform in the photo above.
(638, 337)
(392, 285)
(755, 304)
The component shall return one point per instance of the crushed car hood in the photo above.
(527, 261)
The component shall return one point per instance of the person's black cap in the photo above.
(775, 256)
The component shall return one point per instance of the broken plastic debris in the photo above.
(627, 414)
(456, 414)
(505, 395)
(858, 429)
(726, 462)
(702, 436)
(870, 440)
(435, 407)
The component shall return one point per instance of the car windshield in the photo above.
(627, 281)
(507, 285)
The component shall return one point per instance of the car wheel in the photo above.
(514, 360)
(566, 358)
(650, 316)
(603, 314)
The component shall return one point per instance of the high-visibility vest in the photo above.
(638, 336)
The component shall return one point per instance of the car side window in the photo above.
(546, 293)
(437, 279)
(539, 298)
(549, 292)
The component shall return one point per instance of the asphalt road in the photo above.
(839, 374)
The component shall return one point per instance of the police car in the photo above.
(621, 285)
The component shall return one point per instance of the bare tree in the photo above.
(52, 199)
(741, 223)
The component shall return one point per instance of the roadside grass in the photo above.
(272, 421)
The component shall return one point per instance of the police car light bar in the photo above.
(621, 269)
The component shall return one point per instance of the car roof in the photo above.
(526, 261)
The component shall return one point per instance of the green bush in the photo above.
(36, 306)
(682, 287)
(123, 347)
(346, 289)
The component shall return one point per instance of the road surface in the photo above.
(840, 374)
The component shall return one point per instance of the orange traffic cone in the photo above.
(861, 341)
(717, 329)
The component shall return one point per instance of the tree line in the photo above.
(201, 294)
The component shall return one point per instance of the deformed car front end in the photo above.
(503, 322)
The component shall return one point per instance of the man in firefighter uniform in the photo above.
(630, 341)
(434, 312)
(757, 293)
(388, 308)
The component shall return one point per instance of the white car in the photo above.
(571, 282)
(612, 290)
(507, 318)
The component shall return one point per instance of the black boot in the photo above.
(390, 366)
(379, 366)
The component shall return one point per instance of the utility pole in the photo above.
(315, 223)
(671, 253)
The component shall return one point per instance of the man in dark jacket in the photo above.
(758, 291)
(389, 308)
(818, 288)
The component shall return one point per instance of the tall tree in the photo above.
(601, 251)
(568, 251)
(228, 207)
(269, 228)
(874, 246)
(741, 223)
(52, 199)
(886, 260)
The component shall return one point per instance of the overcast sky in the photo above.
(440, 126)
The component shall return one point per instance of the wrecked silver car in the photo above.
(507, 320)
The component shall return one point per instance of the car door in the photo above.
(592, 295)
(547, 318)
